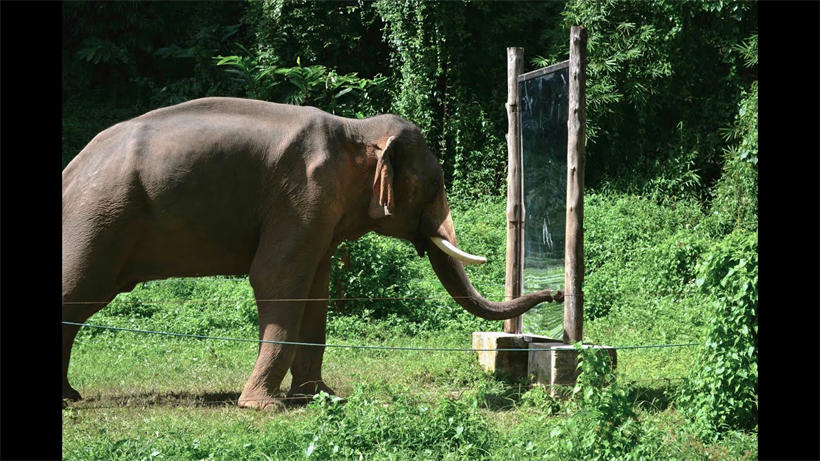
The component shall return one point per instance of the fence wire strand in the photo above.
(364, 346)
(220, 300)
(286, 400)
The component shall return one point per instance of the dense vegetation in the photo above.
(670, 230)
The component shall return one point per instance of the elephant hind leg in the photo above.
(95, 261)
(89, 284)
(75, 312)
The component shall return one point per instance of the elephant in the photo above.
(232, 186)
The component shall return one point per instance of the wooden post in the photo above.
(576, 152)
(513, 287)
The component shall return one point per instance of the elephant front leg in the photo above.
(278, 321)
(307, 364)
(279, 280)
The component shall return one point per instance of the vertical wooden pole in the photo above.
(513, 287)
(576, 153)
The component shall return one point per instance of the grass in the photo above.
(157, 397)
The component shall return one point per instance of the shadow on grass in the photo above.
(507, 397)
(176, 399)
(158, 399)
(654, 399)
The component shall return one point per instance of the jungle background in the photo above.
(670, 231)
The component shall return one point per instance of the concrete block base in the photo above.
(514, 364)
(556, 368)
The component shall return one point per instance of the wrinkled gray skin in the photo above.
(236, 186)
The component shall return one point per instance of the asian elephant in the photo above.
(222, 186)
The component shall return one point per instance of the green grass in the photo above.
(158, 397)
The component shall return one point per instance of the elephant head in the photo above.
(408, 201)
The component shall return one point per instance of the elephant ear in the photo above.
(383, 199)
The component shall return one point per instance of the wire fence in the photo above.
(365, 346)
(219, 300)
(193, 400)
(219, 399)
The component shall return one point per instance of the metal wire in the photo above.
(359, 346)
(385, 298)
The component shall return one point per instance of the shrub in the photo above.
(735, 201)
(382, 267)
(635, 247)
(601, 424)
(202, 306)
(721, 393)
(539, 398)
(365, 427)
(373, 267)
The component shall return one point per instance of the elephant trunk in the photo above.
(451, 273)
(448, 263)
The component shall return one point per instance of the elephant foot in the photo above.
(300, 395)
(261, 401)
(70, 394)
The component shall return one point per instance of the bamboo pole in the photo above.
(515, 203)
(576, 136)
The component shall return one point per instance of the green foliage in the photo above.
(538, 398)
(200, 306)
(365, 427)
(604, 425)
(664, 77)
(343, 35)
(662, 81)
(735, 201)
(636, 249)
(599, 423)
(721, 393)
(314, 85)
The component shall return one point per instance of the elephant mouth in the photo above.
(420, 243)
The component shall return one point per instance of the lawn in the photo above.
(158, 397)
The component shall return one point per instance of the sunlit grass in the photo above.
(157, 397)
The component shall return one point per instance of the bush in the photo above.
(735, 201)
(721, 393)
(365, 427)
(662, 82)
(635, 248)
(373, 267)
(382, 267)
(600, 423)
(199, 306)
(539, 399)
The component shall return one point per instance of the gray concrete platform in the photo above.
(556, 368)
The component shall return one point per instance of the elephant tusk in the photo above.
(453, 251)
